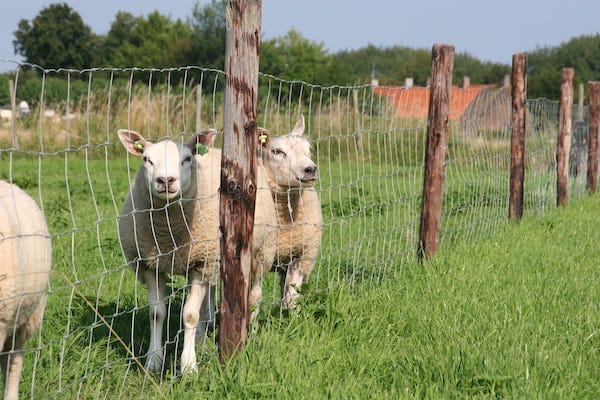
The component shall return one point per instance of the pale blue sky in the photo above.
(490, 31)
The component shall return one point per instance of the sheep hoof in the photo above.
(189, 368)
(154, 361)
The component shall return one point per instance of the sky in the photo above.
(489, 31)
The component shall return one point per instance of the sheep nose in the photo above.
(310, 169)
(168, 181)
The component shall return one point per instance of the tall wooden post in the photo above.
(565, 119)
(517, 139)
(592, 172)
(435, 154)
(238, 171)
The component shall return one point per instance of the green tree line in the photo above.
(59, 38)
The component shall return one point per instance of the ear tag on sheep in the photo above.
(138, 145)
(201, 149)
(263, 138)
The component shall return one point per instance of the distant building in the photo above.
(486, 106)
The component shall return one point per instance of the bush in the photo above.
(4, 90)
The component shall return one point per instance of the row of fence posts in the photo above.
(437, 142)
(238, 166)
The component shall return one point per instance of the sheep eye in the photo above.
(186, 160)
(278, 152)
(147, 160)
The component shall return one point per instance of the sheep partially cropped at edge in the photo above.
(170, 225)
(26, 254)
(291, 178)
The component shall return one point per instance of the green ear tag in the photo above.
(138, 145)
(201, 149)
(263, 138)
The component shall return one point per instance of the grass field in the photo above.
(513, 316)
(505, 314)
(503, 311)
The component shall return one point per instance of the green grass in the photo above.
(491, 316)
(512, 316)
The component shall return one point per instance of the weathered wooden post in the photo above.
(435, 153)
(238, 171)
(517, 139)
(565, 119)
(592, 171)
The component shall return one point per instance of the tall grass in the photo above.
(78, 354)
(372, 322)
(515, 315)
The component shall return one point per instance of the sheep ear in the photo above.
(200, 142)
(299, 128)
(133, 141)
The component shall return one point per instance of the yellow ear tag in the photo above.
(138, 145)
(263, 138)
(201, 149)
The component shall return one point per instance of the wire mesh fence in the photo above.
(367, 142)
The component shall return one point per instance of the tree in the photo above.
(294, 57)
(55, 38)
(153, 41)
(209, 32)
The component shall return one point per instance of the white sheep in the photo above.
(291, 178)
(26, 253)
(170, 225)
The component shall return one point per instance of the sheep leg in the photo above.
(196, 304)
(14, 362)
(12, 366)
(293, 282)
(155, 282)
(255, 297)
(207, 313)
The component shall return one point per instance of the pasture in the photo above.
(514, 314)
(495, 314)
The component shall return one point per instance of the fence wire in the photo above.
(368, 143)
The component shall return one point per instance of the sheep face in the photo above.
(168, 169)
(167, 165)
(287, 159)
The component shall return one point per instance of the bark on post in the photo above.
(437, 144)
(565, 119)
(238, 171)
(592, 172)
(517, 139)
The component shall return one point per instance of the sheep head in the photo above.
(287, 158)
(167, 166)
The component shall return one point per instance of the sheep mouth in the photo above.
(307, 181)
(166, 193)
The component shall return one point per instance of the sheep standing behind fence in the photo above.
(26, 253)
(170, 225)
(291, 175)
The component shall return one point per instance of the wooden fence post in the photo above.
(592, 171)
(435, 154)
(565, 120)
(238, 171)
(517, 139)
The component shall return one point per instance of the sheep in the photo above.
(170, 225)
(26, 253)
(291, 175)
